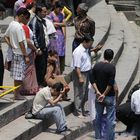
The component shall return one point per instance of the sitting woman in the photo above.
(53, 71)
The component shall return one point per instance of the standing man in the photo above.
(15, 37)
(40, 38)
(84, 25)
(102, 79)
(81, 63)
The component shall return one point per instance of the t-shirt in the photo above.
(103, 74)
(41, 99)
(16, 34)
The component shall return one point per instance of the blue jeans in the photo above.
(111, 117)
(58, 114)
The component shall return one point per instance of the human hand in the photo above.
(101, 98)
(81, 81)
(27, 60)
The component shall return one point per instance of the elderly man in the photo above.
(84, 25)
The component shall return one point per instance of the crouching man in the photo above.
(45, 106)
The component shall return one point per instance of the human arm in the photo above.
(78, 71)
(96, 49)
(67, 12)
(57, 99)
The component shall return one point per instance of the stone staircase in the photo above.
(113, 31)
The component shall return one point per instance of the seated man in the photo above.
(129, 113)
(45, 106)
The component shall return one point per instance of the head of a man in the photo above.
(41, 11)
(88, 41)
(82, 9)
(108, 54)
(23, 15)
(56, 89)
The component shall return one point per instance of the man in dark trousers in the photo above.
(38, 26)
(102, 79)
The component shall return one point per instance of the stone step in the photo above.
(11, 110)
(128, 62)
(116, 35)
(76, 125)
(100, 14)
(136, 32)
(23, 129)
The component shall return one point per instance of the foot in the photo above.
(60, 131)
(66, 99)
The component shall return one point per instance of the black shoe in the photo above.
(60, 131)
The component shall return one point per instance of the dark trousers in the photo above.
(41, 66)
(127, 116)
(1, 68)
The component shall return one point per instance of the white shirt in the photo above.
(81, 59)
(135, 102)
(41, 99)
(16, 34)
(50, 27)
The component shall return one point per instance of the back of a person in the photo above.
(102, 74)
(40, 99)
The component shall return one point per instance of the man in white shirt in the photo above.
(15, 38)
(45, 106)
(81, 63)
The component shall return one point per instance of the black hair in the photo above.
(108, 54)
(39, 8)
(23, 11)
(88, 38)
(52, 53)
(48, 5)
(58, 86)
(59, 4)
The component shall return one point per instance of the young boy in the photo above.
(45, 105)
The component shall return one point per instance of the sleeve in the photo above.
(33, 26)
(77, 60)
(67, 12)
(112, 76)
(47, 94)
(92, 31)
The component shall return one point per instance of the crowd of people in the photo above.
(35, 57)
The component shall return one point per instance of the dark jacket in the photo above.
(36, 26)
